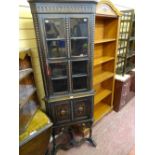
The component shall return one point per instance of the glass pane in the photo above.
(56, 48)
(58, 70)
(79, 27)
(79, 83)
(55, 28)
(60, 85)
(79, 67)
(79, 47)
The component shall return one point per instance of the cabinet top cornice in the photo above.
(107, 7)
(61, 1)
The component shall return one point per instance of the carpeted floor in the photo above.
(114, 134)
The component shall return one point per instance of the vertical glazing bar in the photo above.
(69, 54)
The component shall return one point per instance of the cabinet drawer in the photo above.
(82, 108)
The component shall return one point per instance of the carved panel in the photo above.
(105, 9)
(81, 108)
(62, 8)
(62, 112)
(40, 49)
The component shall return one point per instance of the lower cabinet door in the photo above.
(82, 108)
(62, 112)
(71, 110)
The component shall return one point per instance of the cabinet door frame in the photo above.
(74, 58)
(46, 61)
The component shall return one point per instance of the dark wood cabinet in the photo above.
(123, 92)
(65, 38)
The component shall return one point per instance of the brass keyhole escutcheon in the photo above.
(63, 112)
(81, 109)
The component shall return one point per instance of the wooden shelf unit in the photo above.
(28, 99)
(106, 38)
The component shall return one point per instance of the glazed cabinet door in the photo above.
(55, 53)
(79, 52)
(66, 53)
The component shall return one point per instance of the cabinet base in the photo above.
(72, 142)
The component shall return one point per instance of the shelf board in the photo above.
(101, 95)
(121, 56)
(79, 38)
(102, 77)
(125, 20)
(25, 95)
(59, 78)
(104, 40)
(81, 56)
(25, 72)
(101, 110)
(79, 75)
(101, 60)
(54, 39)
(131, 55)
(126, 39)
(80, 90)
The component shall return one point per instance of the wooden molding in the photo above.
(109, 8)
